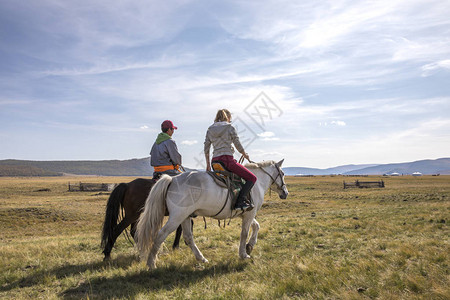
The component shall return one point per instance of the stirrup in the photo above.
(245, 206)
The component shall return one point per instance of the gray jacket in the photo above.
(165, 154)
(221, 135)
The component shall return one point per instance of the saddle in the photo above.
(227, 179)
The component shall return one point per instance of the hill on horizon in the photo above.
(132, 167)
(426, 167)
(141, 167)
(328, 171)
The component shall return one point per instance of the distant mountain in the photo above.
(426, 167)
(141, 167)
(12, 170)
(329, 171)
(132, 167)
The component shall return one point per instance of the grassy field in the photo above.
(323, 242)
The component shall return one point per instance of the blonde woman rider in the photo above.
(221, 135)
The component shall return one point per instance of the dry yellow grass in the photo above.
(323, 242)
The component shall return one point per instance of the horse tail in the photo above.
(113, 207)
(151, 219)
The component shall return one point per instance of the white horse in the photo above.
(196, 193)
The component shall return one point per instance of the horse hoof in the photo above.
(151, 264)
(245, 256)
(107, 258)
(248, 249)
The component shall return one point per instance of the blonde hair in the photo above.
(223, 115)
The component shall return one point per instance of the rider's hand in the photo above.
(246, 156)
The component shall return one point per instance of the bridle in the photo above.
(274, 180)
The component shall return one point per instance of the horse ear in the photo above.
(280, 162)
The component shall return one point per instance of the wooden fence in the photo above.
(364, 184)
(91, 187)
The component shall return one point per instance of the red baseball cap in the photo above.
(167, 124)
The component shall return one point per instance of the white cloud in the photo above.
(332, 123)
(338, 123)
(271, 139)
(259, 155)
(320, 61)
(401, 145)
(344, 42)
(430, 69)
(266, 134)
(189, 142)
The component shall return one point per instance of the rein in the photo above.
(274, 180)
(241, 160)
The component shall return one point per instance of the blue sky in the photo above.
(319, 83)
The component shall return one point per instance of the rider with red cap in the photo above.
(165, 158)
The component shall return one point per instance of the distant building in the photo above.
(395, 174)
(416, 174)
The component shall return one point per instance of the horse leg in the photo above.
(176, 242)
(133, 230)
(189, 239)
(246, 222)
(169, 227)
(253, 238)
(115, 233)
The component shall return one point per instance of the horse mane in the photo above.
(260, 164)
